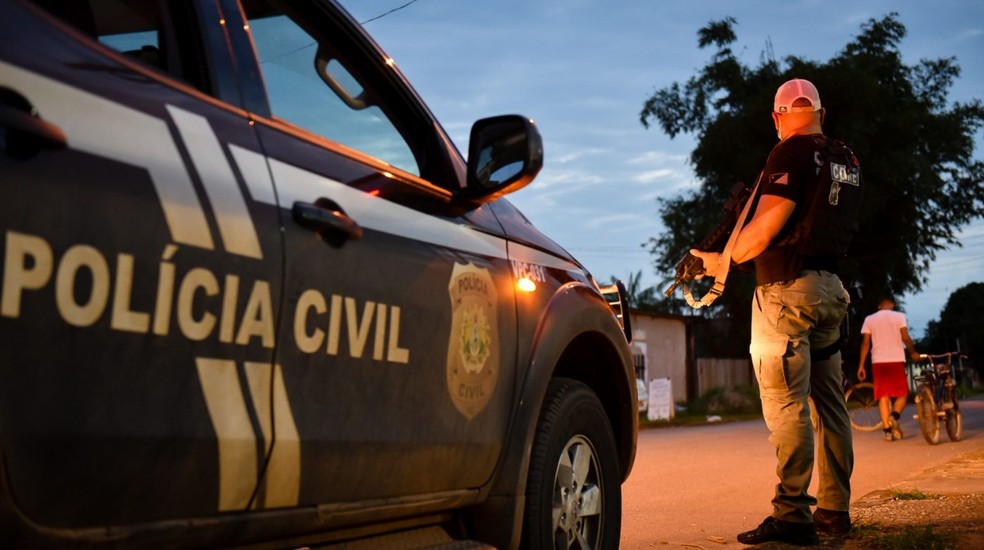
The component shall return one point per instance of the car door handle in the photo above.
(327, 218)
(49, 135)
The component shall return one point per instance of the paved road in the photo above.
(692, 485)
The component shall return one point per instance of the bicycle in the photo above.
(862, 407)
(936, 399)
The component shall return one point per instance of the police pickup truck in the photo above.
(252, 296)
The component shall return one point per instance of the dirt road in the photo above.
(699, 487)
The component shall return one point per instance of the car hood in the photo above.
(517, 227)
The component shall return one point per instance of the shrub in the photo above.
(737, 400)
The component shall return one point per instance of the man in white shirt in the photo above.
(884, 333)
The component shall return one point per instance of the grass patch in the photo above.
(965, 391)
(915, 538)
(863, 531)
(682, 419)
(910, 537)
(727, 401)
(722, 404)
(914, 494)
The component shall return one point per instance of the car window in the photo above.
(140, 30)
(314, 90)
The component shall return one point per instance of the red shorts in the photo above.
(890, 379)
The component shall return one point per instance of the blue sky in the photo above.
(583, 68)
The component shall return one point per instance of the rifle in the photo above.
(691, 266)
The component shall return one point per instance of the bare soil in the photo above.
(959, 515)
(877, 520)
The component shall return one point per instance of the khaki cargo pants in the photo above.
(800, 396)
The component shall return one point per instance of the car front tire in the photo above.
(574, 496)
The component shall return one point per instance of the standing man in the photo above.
(803, 218)
(884, 332)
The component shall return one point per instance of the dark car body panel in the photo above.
(188, 363)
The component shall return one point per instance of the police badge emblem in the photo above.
(473, 346)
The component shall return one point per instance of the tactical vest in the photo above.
(830, 223)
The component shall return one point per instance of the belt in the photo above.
(805, 271)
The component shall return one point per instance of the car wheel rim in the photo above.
(577, 502)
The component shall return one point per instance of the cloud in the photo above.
(619, 221)
(650, 176)
(657, 157)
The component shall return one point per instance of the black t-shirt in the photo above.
(791, 172)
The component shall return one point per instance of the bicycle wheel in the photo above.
(862, 407)
(954, 423)
(929, 422)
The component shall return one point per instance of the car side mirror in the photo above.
(505, 153)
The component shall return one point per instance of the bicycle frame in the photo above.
(939, 376)
(936, 399)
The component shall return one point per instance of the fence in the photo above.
(727, 373)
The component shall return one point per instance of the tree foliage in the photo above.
(959, 321)
(916, 150)
(639, 297)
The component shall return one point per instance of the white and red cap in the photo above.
(794, 89)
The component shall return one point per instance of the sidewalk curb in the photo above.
(964, 475)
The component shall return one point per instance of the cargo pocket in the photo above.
(770, 368)
(800, 312)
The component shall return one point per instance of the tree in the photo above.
(922, 182)
(640, 298)
(958, 321)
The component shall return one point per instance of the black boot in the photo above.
(832, 522)
(799, 534)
